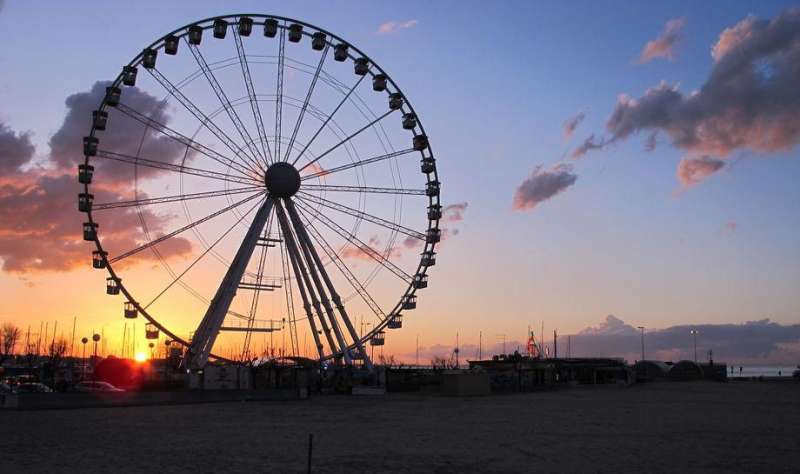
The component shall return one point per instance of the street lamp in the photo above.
(694, 332)
(642, 328)
(84, 340)
(96, 339)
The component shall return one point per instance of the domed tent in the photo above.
(650, 370)
(686, 370)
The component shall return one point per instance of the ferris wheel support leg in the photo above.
(314, 264)
(303, 282)
(206, 333)
(337, 300)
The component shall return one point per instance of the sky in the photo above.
(604, 158)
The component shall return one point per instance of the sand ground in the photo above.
(668, 427)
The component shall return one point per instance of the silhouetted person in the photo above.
(740, 370)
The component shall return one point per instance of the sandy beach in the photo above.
(669, 427)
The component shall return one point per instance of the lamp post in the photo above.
(642, 328)
(84, 340)
(694, 332)
(96, 339)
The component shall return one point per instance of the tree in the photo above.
(390, 362)
(9, 336)
(56, 350)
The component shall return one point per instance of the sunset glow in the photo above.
(564, 201)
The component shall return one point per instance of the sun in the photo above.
(140, 357)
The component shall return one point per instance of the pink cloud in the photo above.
(694, 170)
(664, 45)
(40, 226)
(393, 26)
(454, 212)
(749, 101)
(571, 124)
(543, 184)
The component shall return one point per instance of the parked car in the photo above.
(96, 387)
(796, 373)
(32, 387)
(5, 388)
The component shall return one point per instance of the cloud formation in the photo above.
(124, 135)
(753, 342)
(571, 124)
(451, 214)
(694, 170)
(15, 150)
(542, 184)
(393, 26)
(589, 144)
(612, 326)
(749, 102)
(454, 212)
(664, 45)
(40, 227)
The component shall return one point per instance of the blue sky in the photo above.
(493, 84)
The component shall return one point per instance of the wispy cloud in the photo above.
(543, 184)
(664, 45)
(694, 170)
(571, 124)
(393, 26)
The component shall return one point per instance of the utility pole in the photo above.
(694, 332)
(480, 345)
(569, 346)
(555, 344)
(72, 342)
(457, 364)
(642, 328)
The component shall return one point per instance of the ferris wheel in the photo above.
(268, 166)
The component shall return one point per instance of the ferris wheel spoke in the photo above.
(343, 268)
(287, 287)
(374, 159)
(257, 290)
(138, 161)
(362, 215)
(209, 328)
(306, 101)
(206, 121)
(178, 278)
(363, 189)
(184, 140)
(279, 91)
(225, 103)
(184, 228)
(251, 95)
(328, 119)
(358, 243)
(175, 198)
(318, 276)
(319, 300)
(315, 261)
(347, 139)
(301, 278)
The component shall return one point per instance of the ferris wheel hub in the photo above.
(282, 179)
